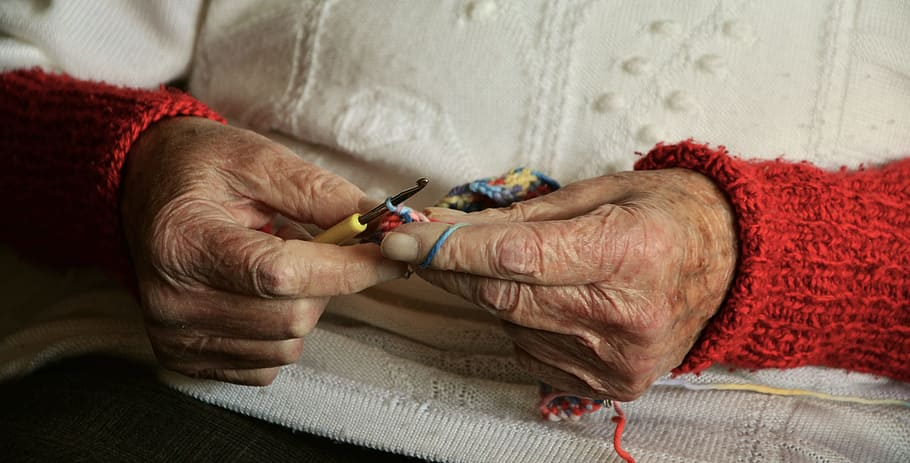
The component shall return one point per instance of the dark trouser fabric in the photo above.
(101, 409)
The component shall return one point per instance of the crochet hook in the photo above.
(357, 223)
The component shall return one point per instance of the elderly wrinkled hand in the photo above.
(603, 285)
(221, 299)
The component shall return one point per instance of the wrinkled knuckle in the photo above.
(339, 279)
(501, 296)
(165, 248)
(271, 278)
(169, 249)
(316, 183)
(520, 254)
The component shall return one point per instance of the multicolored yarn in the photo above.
(398, 215)
(518, 184)
(557, 406)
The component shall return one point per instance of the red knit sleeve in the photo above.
(823, 276)
(64, 143)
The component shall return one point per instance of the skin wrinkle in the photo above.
(505, 297)
(186, 212)
(270, 278)
(222, 351)
(225, 313)
(620, 249)
(626, 289)
(590, 369)
(192, 190)
(546, 354)
(522, 254)
(555, 376)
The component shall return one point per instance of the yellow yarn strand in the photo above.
(762, 389)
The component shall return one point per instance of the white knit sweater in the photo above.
(456, 90)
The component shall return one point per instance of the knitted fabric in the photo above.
(64, 143)
(823, 276)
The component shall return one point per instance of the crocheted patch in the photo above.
(518, 184)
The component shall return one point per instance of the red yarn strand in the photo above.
(620, 420)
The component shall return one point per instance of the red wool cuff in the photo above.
(823, 276)
(64, 145)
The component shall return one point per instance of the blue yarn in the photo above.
(404, 213)
(438, 244)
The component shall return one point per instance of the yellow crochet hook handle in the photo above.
(342, 231)
(355, 224)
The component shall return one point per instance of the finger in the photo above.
(577, 251)
(221, 314)
(602, 368)
(572, 200)
(277, 177)
(565, 373)
(568, 382)
(554, 376)
(251, 377)
(249, 262)
(558, 309)
(191, 353)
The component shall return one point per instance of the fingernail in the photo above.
(400, 247)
